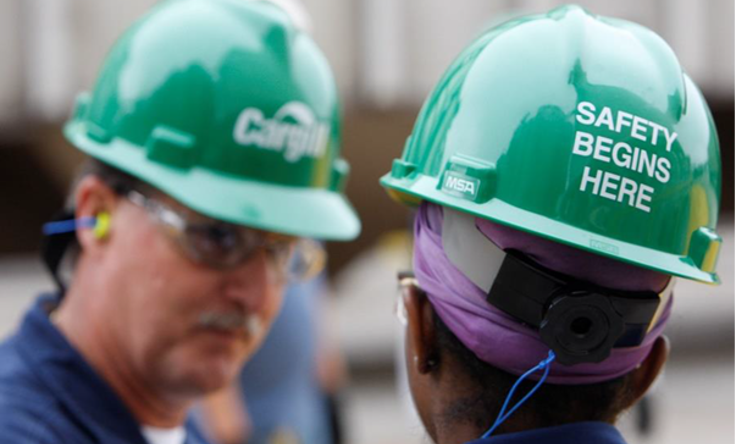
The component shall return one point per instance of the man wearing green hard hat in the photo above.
(213, 142)
(566, 172)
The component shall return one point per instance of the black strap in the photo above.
(53, 248)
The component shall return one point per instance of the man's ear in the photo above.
(92, 198)
(421, 331)
(644, 376)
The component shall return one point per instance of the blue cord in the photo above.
(502, 416)
(69, 225)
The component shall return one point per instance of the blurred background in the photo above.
(387, 55)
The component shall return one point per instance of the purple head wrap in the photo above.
(496, 337)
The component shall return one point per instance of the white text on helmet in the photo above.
(627, 131)
(465, 186)
(637, 127)
(293, 131)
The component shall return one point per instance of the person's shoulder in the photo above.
(22, 423)
(31, 415)
(19, 382)
(27, 409)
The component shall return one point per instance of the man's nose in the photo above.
(250, 283)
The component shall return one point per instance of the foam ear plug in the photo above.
(102, 225)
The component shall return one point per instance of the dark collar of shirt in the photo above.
(575, 433)
(89, 402)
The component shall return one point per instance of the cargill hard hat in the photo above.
(229, 108)
(578, 128)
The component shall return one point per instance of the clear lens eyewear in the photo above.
(406, 282)
(223, 245)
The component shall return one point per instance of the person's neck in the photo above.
(446, 424)
(457, 433)
(463, 431)
(90, 337)
(452, 424)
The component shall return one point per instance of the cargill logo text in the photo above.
(293, 131)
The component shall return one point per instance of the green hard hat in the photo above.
(229, 108)
(578, 128)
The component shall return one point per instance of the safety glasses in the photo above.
(407, 281)
(222, 245)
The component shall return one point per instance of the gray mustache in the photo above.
(231, 321)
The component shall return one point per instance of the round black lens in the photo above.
(581, 326)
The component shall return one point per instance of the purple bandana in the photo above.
(496, 337)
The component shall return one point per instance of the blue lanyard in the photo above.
(502, 416)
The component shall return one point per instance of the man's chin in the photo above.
(215, 373)
(204, 366)
(203, 376)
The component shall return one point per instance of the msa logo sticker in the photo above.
(293, 131)
(460, 185)
(604, 246)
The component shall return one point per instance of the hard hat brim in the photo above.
(316, 213)
(410, 192)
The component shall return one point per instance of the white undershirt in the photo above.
(156, 435)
